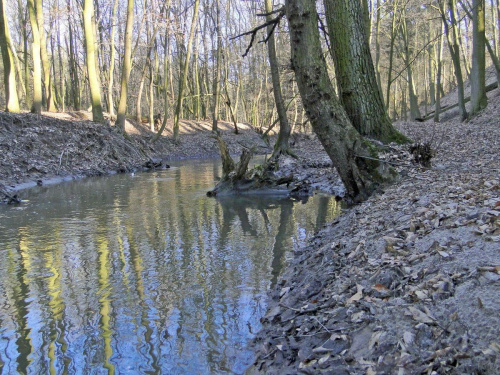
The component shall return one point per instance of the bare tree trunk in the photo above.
(183, 79)
(479, 101)
(95, 87)
(377, 47)
(75, 85)
(330, 122)
(431, 50)
(153, 70)
(391, 53)
(414, 109)
(49, 91)
(25, 57)
(354, 70)
(281, 146)
(37, 62)
(12, 101)
(138, 110)
(216, 81)
(438, 75)
(453, 44)
(127, 66)
(112, 52)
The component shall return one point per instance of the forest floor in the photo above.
(407, 282)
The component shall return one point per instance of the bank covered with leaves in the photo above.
(408, 282)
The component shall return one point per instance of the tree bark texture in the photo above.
(357, 84)
(329, 120)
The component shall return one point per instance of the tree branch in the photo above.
(253, 32)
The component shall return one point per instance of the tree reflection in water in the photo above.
(144, 274)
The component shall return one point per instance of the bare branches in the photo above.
(274, 22)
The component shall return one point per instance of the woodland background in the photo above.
(407, 39)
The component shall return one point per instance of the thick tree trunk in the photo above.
(11, 100)
(357, 84)
(95, 87)
(479, 101)
(329, 120)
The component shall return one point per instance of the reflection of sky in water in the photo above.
(142, 274)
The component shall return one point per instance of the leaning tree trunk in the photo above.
(357, 83)
(281, 145)
(342, 142)
(12, 101)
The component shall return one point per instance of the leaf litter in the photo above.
(410, 279)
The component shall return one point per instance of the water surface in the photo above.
(142, 274)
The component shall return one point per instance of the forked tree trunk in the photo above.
(127, 65)
(330, 122)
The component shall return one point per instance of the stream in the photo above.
(143, 273)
